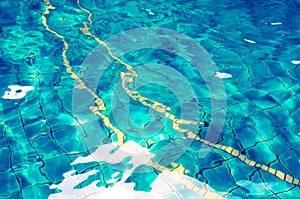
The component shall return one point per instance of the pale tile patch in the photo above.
(249, 41)
(115, 174)
(17, 92)
(166, 185)
(150, 12)
(276, 23)
(258, 189)
(295, 62)
(111, 181)
(79, 122)
(223, 75)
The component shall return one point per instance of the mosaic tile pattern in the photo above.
(42, 140)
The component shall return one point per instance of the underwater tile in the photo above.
(254, 153)
(39, 190)
(247, 135)
(278, 145)
(31, 175)
(22, 154)
(274, 184)
(230, 140)
(29, 105)
(3, 132)
(32, 117)
(269, 85)
(14, 122)
(290, 137)
(236, 114)
(242, 40)
(9, 109)
(281, 95)
(38, 128)
(255, 187)
(16, 135)
(290, 161)
(291, 104)
(55, 167)
(265, 102)
(236, 193)
(253, 93)
(290, 194)
(143, 178)
(5, 157)
(280, 117)
(96, 176)
(274, 68)
(239, 97)
(14, 195)
(239, 170)
(287, 82)
(220, 178)
(272, 196)
(264, 125)
(46, 146)
(60, 121)
(11, 184)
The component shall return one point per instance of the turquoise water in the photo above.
(241, 137)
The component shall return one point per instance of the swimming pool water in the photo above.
(150, 99)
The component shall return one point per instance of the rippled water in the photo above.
(140, 99)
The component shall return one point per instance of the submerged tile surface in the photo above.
(93, 114)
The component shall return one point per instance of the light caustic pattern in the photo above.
(129, 77)
(100, 104)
